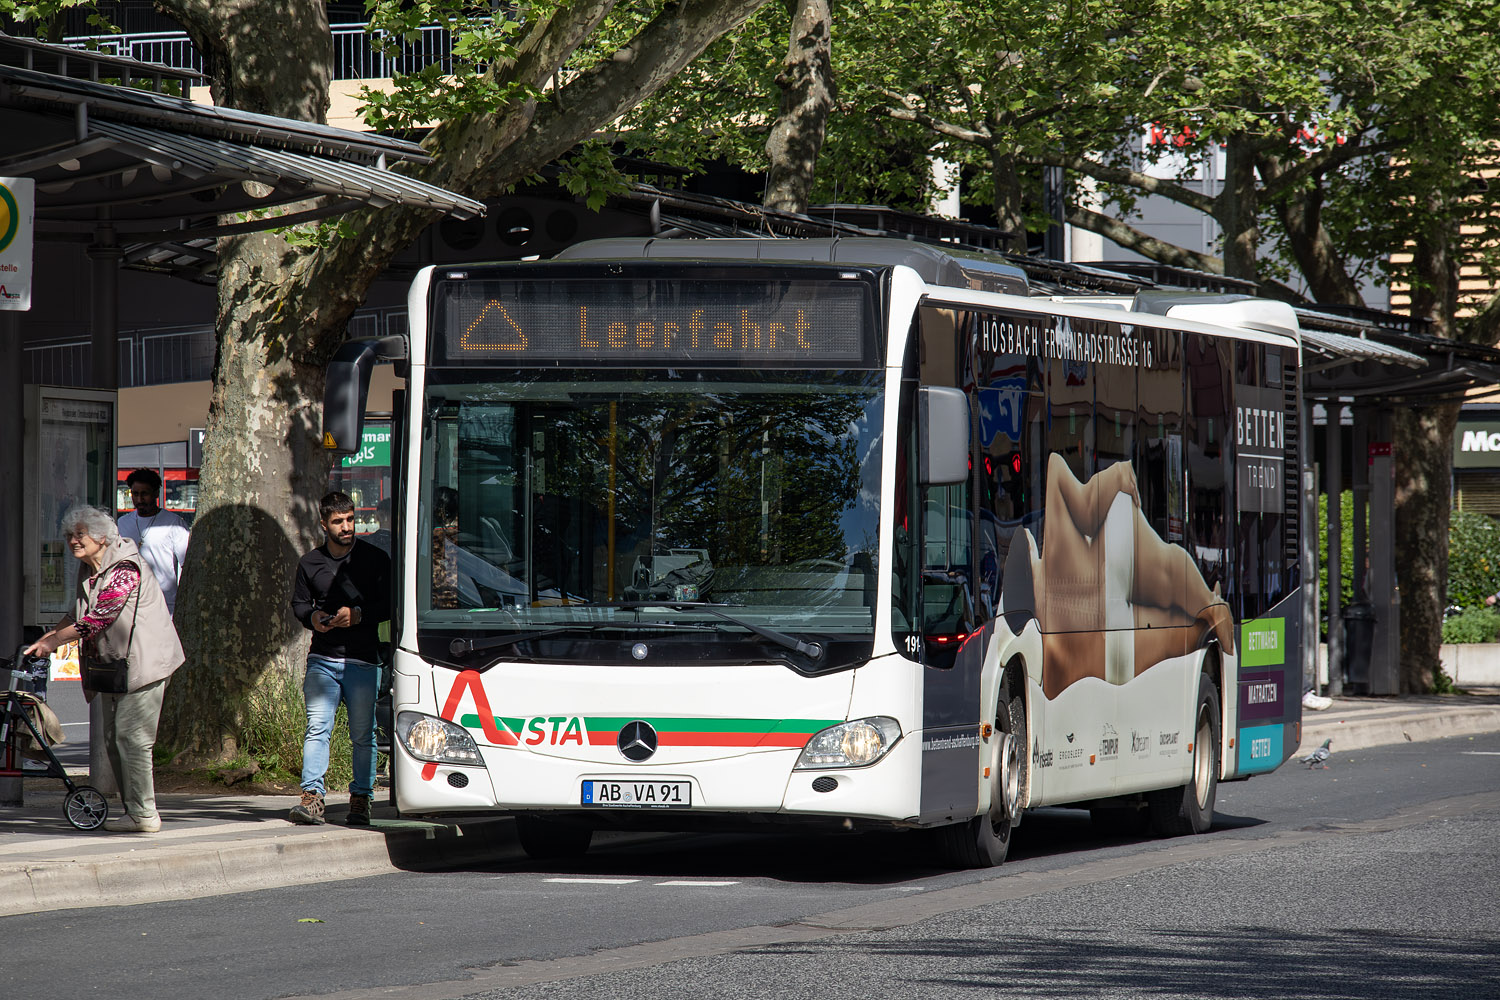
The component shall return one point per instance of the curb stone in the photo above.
(319, 854)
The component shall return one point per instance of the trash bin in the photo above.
(1359, 636)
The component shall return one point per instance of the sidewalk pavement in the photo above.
(213, 844)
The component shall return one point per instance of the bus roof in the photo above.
(951, 268)
(1245, 312)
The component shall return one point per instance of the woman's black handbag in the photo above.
(109, 676)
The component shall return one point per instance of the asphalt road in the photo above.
(1376, 878)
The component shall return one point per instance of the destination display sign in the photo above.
(653, 321)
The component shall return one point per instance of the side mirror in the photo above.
(943, 428)
(348, 387)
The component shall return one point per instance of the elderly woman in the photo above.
(120, 613)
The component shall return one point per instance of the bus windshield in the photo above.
(567, 498)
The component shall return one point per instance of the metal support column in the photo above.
(12, 502)
(1359, 468)
(1334, 484)
(104, 260)
(1385, 649)
(104, 307)
(1308, 521)
(1358, 653)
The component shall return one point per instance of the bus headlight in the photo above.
(427, 738)
(851, 744)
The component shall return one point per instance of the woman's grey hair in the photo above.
(95, 522)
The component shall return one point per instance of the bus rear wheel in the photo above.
(984, 841)
(550, 840)
(1190, 808)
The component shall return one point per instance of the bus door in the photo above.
(951, 628)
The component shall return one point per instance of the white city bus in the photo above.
(857, 532)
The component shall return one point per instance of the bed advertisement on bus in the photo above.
(1122, 600)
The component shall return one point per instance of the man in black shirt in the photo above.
(342, 594)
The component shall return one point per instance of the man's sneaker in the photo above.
(1316, 702)
(133, 824)
(309, 811)
(359, 811)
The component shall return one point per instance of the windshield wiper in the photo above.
(812, 650)
(462, 647)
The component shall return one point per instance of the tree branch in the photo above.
(1321, 162)
(550, 42)
(1130, 178)
(907, 113)
(1146, 245)
(190, 14)
(610, 88)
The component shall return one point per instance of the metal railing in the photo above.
(179, 356)
(355, 56)
(165, 355)
(70, 362)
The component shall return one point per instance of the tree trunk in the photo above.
(807, 96)
(1424, 444)
(1424, 458)
(263, 471)
(263, 465)
(1010, 205)
(273, 59)
(1237, 210)
(1301, 215)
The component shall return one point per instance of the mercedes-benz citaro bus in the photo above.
(854, 533)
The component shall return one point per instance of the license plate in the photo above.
(634, 794)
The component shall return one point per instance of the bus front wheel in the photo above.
(984, 841)
(1190, 808)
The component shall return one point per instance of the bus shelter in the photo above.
(130, 176)
(1359, 366)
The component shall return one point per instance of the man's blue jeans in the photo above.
(327, 682)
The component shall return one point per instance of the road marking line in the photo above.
(1480, 753)
(683, 881)
(595, 881)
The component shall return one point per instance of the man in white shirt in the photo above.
(161, 535)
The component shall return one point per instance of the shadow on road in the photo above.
(862, 859)
(1240, 962)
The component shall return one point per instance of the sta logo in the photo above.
(554, 731)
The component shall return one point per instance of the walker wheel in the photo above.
(86, 808)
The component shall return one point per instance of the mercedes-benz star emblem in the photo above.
(639, 651)
(637, 741)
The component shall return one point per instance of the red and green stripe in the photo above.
(681, 732)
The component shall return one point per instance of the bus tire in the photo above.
(984, 841)
(550, 840)
(1190, 808)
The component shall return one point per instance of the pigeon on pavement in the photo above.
(1319, 757)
